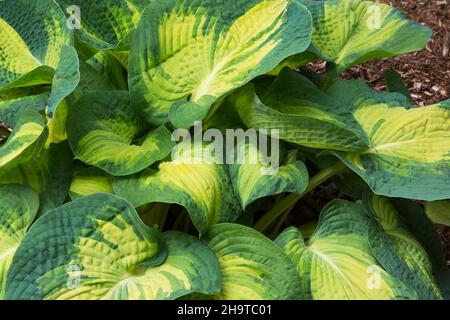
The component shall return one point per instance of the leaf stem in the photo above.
(290, 200)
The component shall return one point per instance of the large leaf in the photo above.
(187, 54)
(301, 113)
(49, 175)
(349, 32)
(399, 151)
(107, 24)
(26, 140)
(439, 212)
(98, 248)
(33, 34)
(398, 251)
(18, 208)
(409, 153)
(192, 179)
(336, 262)
(254, 179)
(105, 132)
(253, 267)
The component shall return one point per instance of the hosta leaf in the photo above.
(88, 181)
(26, 140)
(399, 151)
(255, 178)
(423, 229)
(253, 267)
(409, 155)
(106, 24)
(398, 251)
(49, 175)
(11, 109)
(439, 212)
(192, 179)
(98, 248)
(103, 131)
(301, 114)
(336, 262)
(66, 79)
(18, 208)
(33, 34)
(349, 32)
(220, 46)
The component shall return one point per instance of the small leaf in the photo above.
(394, 83)
(439, 212)
(254, 179)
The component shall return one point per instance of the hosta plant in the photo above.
(129, 167)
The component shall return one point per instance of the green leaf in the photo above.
(424, 230)
(18, 208)
(409, 153)
(219, 46)
(11, 109)
(255, 178)
(336, 262)
(98, 248)
(104, 131)
(33, 34)
(253, 267)
(107, 24)
(49, 176)
(301, 114)
(394, 83)
(66, 79)
(26, 140)
(88, 181)
(350, 32)
(193, 180)
(439, 212)
(398, 251)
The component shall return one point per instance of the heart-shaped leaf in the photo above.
(220, 46)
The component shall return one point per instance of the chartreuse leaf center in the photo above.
(337, 263)
(98, 248)
(218, 46)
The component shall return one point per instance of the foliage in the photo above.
(95, 204)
